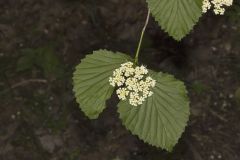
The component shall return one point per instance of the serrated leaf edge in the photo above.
(188, 114)
(165, 30)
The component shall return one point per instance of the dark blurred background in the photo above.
(41, 41)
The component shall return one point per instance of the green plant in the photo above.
(153, 105)
(199, 87)
(43, 58)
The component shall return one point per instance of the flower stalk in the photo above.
(141, 38)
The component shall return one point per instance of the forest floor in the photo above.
(41, 41)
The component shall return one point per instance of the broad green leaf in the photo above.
(91, 80)
(161, 119)
(176, 17)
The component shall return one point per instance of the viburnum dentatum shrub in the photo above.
(153, 105)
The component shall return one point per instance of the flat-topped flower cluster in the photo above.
(218, 6)
(134, 84)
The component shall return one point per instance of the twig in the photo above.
(217, 115)
(25, 82)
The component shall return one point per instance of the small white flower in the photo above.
(150, 94)
(218, 6)
(122, 93)
(206, 6)
(133, 82)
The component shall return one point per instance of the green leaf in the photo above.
(26, 61)
(161, 119)
(42, 57)
(91, 80)
(199, 87)
(177, 17)
(48, 61)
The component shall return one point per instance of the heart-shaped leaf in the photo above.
(91, 80)
(161, 119)
(176, 17)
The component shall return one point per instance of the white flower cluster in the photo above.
(133, 83)
(218, 6)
